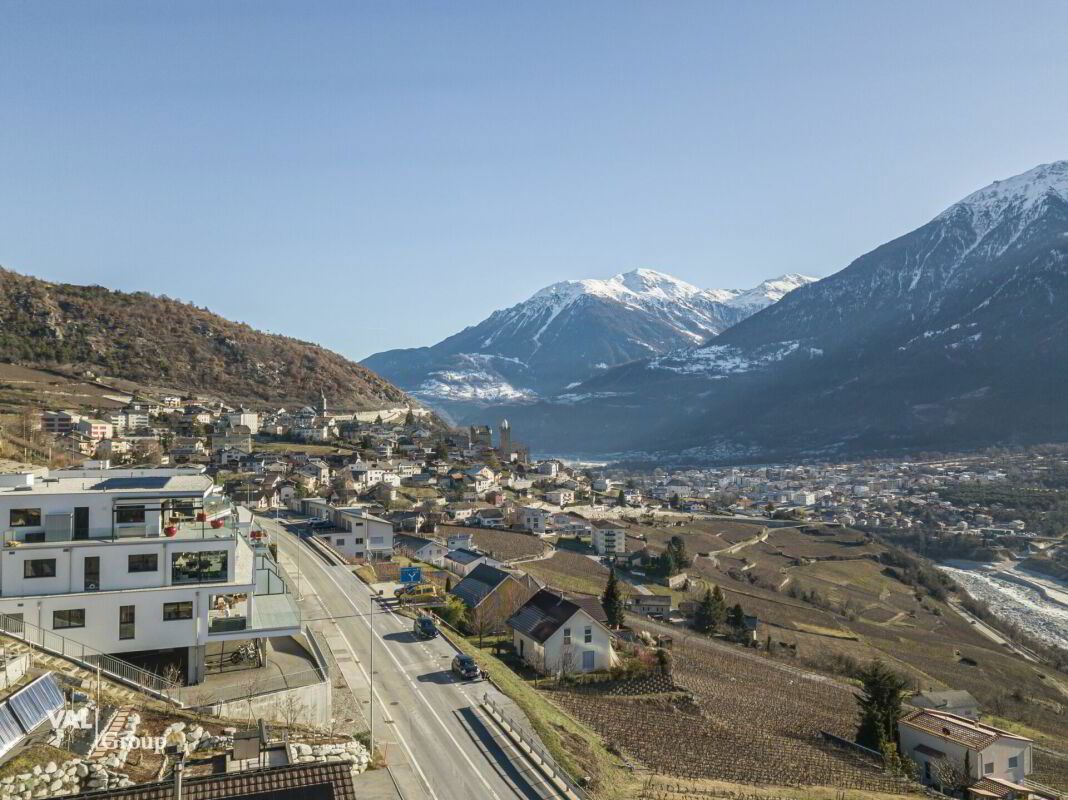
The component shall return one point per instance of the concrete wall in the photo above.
(304, 705)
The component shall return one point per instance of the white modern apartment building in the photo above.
(609, 537)
(147, 565)
(360, 534)
(535, 520)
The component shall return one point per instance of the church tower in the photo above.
(322, 402)
(505, 432)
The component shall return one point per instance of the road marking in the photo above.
(417, 693)
(387, 717)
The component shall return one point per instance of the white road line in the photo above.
(417, 693)
(381, 704)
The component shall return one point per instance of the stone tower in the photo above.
(505, 432)
(322, 402)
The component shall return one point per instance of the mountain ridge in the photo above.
(155, 340)
(952, 335)
(567, 331)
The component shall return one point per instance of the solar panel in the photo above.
(146, 482)
(10, 732)
(32, 704)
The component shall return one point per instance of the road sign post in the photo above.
(411, 575)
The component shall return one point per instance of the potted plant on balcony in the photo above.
(171, 530)
(201, 516)
(216, 523)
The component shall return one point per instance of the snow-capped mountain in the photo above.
(569, 331)
(953, 335)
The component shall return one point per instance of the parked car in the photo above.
(424, 628)
(465, 667)
(419, 593)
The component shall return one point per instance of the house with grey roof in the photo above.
(556, 634)
(952, 701)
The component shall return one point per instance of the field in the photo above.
(507, 546)
(751, 720)
(22, 387)
(570, 572)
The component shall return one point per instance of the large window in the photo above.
(25, 518)
(71, 618)
(126, 622)
(143, 562)
(199, 567)
(1014, 762)
(39, 568)
(129, 515)
(172, 611)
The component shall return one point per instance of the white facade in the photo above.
(560, 497)
(929, 737)
(581, 645)
(361, 535)
(118, 561)
(535, 520)
(609, 539)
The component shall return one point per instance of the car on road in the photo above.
(424, 628)
(465, 667)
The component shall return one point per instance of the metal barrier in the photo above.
(92, 659)
(548, 763)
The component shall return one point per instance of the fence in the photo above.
(547, 762)
(90, 658)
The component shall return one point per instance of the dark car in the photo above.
(465, 667)
(424, 628)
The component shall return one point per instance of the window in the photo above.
(567, 636)
(1014, 761)
(143, 562)
(71, 618)
(25, 517)
(988, 767)
(339, 542)
(358, 540)
(126, 622)
(172, 611)
(588, 634)
(129, 515)
(39, 568)
(199, 567)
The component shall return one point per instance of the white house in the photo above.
(609, 537)
(463, 561)
(555, 634)
(535, 520)
(421, 549)
(360, 534)
(560, 497)
(942, 744)
(134, 562)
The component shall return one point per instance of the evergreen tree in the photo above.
(719, 606)
(880, 705)
(736, 621)
(448, 584)
(677, 546)
(665, 564)
(409, 418)
(621, 498)
(612, 601)
(674, 501)
(704, 617)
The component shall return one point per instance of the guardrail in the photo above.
(548, 764)
(90, 658)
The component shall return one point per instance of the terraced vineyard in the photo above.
(571, 572)
(505, 545)
(749, 721)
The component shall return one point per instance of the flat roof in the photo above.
(190, 485)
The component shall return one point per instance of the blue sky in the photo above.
(377, 175)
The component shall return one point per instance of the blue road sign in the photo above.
(411, 575)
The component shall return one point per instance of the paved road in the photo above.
(436, 740)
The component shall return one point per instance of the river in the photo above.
(1020, 605)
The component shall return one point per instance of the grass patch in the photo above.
(819, 630)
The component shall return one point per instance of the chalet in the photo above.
(953, 701)
(489, 518)
(651, 604)
(463, 561)
(555, 634)
(490, 588)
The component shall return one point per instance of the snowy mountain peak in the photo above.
(769, 291)
(1019, 195)
(630, 286)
